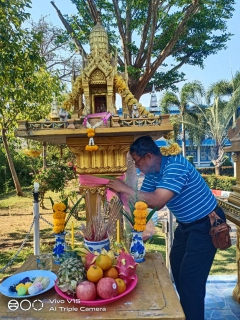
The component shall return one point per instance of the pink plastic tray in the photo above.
(99, 301)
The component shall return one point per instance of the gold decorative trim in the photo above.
(107, 170)
(229, 206)
(101, 190)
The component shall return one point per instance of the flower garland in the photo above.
(173, 148)
(91, 130)
(129, 98)
(32, 153)
(59, 215)
(139, 215)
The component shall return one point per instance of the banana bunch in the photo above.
(89, 257)
(118, 247)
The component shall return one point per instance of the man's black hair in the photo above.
(144, 145)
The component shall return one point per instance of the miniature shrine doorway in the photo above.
(100, 104)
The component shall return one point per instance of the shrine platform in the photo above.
(154, 297)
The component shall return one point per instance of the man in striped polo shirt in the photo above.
(174, 182)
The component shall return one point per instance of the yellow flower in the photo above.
(59, 222)
(140, 205)
(90, 130)
(140, 213)
(59, 215)
(174, 149)
(142, 221)
(164, 151)
(58, 229)
(59, 207)
(169, 135)
(91, 134)
(139, 227)
(95, 147)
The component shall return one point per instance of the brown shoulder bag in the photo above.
(220, 233)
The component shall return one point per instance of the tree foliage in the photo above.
(154, 39)
(212, 117)
(189, 91)
(26, 87)
(57, 49)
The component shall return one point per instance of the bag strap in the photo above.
(215, 219)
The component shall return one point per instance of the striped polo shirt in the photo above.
(192, 198)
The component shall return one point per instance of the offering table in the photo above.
(153, 298)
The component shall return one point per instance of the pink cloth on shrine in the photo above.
(93, 181)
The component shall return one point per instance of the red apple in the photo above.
(107, 288)
(86, 291)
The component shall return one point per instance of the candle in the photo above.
(118, 231)
(72, 242)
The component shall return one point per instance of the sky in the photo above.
(220, 66)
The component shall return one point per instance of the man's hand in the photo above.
(120, 186)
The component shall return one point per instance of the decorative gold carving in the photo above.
(98, 189)
(110, 158)
(97, 77)
(116, 171)
(115, 121)
(102, 90)
(229, 207)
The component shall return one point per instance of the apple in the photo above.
(86, 291)
(107, 288)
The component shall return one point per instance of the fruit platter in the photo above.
(96, 278)
(28, 283)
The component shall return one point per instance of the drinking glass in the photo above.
(44, 261)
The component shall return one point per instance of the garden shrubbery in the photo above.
(225, 171)
(219, 182)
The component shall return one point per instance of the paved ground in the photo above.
(219, 302)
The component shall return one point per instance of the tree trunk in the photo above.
(183, 140)
(44, 155)
(11, 165)
(217, 170)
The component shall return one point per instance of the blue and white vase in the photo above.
(59, 247)
(137, 249)
(97, 245)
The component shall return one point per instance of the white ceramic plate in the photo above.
(16, 278)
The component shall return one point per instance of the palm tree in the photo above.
(188, 93)
(216, 115)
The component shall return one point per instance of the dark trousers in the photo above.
(191, 259)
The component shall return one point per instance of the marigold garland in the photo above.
(140, 214)
(58, 222)
(172, 150)
(91, 132)
(58, 229)
(129, 98)
(60, 206)
(59, 215)
(32, 153)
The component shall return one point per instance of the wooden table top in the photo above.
(153, 298)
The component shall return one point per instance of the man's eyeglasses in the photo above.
(136, 162)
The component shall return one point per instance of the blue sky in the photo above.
(217, 67)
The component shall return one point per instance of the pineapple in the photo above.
(70, 273)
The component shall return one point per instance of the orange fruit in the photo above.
(104, 262)
(94, 273)
(121, 285)
(111, 273)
